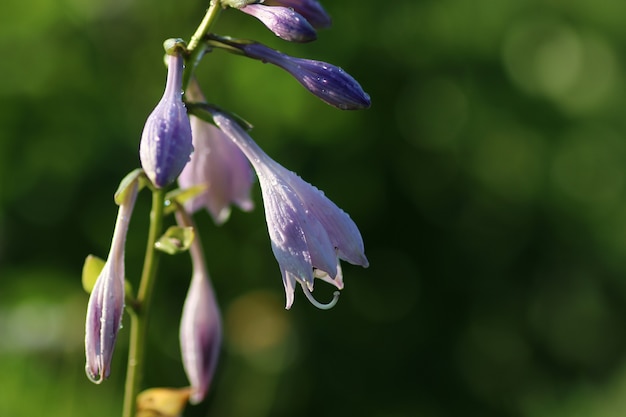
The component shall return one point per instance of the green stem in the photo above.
(139, 315)
(194, 49)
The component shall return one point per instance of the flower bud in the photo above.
(311, 10)
(200, 326)
(328, 82)
(166, 139)
(286, 23)
(106, 302)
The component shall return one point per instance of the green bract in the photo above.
(175, 240)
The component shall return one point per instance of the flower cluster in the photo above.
(212, 156)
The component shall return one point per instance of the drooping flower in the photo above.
(328, 82)
(284, 22)
(166, 138)
(200, 326)
(106, 302)
(218, 165)
(308, 232)
(311, 10)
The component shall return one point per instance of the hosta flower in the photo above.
(286, 23)
(330, 83)
(311, 10)
(200, 327)
(308, 232)
(106, 302)
(219, 166)
(166, 139)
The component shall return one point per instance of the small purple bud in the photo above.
(284, 22)
(219, 166)
(106, 302)
(312, 11)
(309, 233)
(166, 139)
(330, 83)
(200, 327)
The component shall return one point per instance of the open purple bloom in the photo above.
(311, 10)
(166, 138)
(219, 166)
(309, 233)
(330, 83)
(200, 327)
(106, 302)
(286, 23)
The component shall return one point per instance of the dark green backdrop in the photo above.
(488, 180)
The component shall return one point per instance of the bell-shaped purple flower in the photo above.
(166, 139)
(106, 302)
(219, 166)
(311, 10)
(309, 233)
(286, 23)
(330, 83)
(200, 326)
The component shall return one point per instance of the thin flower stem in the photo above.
(195, 48)
(203, 28)
(140, 314)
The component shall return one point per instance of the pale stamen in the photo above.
(316, 303)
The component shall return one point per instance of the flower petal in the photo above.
(312, 11)
(307, 230)
(286, 23)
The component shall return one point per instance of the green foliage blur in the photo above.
(488, 180)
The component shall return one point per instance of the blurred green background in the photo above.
(488, 180)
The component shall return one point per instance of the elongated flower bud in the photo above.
(311, 10)
(106, 302)
(328, 82)
(286, 23)
(166, 139)
(309, 233)
(200, 326)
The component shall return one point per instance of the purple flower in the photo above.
(200, 327)
(283, 21)
(309, 233)
(106, 302)
(330, 83)
(166, 139)
(219, 165)
(312, 11)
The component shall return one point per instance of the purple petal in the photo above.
(312, 11)
(307, 230)
(284, 22)
(219, 165)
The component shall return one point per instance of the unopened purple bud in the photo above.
(328, 82)
(200, 327)
(283, 21)
(166, 139)
(106, 302)
(312, 11)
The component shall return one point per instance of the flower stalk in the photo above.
(140, 313)
(196, 47)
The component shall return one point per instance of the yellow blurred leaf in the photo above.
(162, 402)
